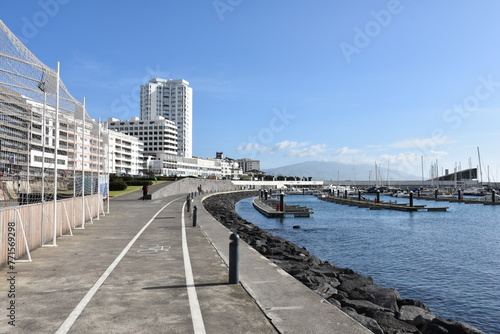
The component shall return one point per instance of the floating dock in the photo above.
(363, 203)
(458, 200)
(270, 208)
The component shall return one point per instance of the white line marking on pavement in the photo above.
(70, 320)
(194, 305)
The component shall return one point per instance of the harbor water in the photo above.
(449, 260)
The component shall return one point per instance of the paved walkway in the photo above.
(144, 268)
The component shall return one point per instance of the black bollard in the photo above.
(265, 194)
(188, 204)
(436, 193)
(234, 259)
(282, 202)
(359, 195)
(195, 215)
(493, 195)
(411, 199)
(345, 193)
(459, 194)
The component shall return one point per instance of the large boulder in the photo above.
(363, 320)
(385, 297)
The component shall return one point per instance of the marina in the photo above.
(449, 260)
(380, 205)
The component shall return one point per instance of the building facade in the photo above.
(125, 154)
(173, 100)
(248, 165)
(158, 135)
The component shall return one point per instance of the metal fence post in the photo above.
(234, 259)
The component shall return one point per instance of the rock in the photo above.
(350, 282)
(363, 320)
(325, 290)
(415, 315)
(390, 324)
(385, 297)
(363, 306)
(413, 302)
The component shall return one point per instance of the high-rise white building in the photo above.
(171, 99)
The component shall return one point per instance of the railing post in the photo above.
(195, 215)
(234, 259)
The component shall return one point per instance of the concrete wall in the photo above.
(191, 185)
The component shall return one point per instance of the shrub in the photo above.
(117, 185)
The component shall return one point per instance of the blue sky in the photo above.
(384, 82)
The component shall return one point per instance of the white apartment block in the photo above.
(125, 154)
(158, 135)
(173, 100)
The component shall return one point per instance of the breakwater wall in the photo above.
(379, 309)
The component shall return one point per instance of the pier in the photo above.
(378, 205)
(273, 208)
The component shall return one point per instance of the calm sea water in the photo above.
(449, 260)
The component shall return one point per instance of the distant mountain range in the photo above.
(333, 171)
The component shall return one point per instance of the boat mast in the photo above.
(480, 169)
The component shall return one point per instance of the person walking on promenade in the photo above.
(144, 192)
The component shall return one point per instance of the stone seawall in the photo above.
(379, 309)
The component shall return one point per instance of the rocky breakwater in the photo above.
(379, 309)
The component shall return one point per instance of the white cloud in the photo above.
(346, 150)
(310, 151)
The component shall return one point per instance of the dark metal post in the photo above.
(359, 195)
(459, 194)
(195, 215)
(338, 192)
(436, 193)
(378, 196)
(493, 195)
(282, 201)
(234, 259)
(265, 194)
(345, 193)
(188, 203)
(411, 198)
(418, 192)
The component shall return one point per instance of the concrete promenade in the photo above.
(144, 268)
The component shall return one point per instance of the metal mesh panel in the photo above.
(33, 145)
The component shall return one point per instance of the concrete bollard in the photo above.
(411, 199)
(234, 259)
(195, 215)
(188, 203)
